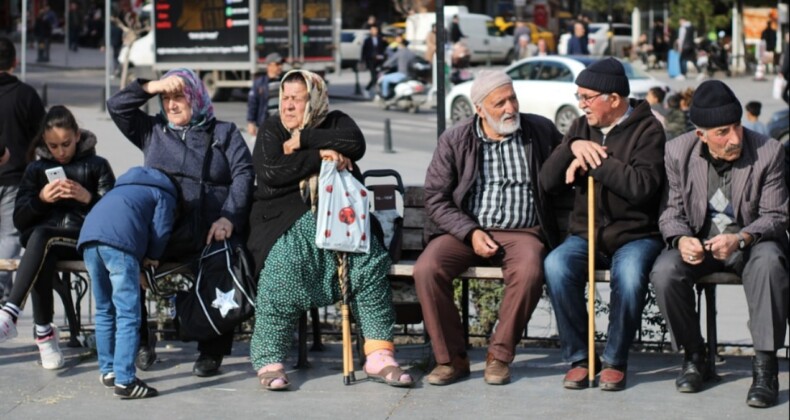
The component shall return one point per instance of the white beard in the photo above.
(503, 127)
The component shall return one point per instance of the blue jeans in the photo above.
(9, 236)
(115, 276)
(566, 277)
(390, 79)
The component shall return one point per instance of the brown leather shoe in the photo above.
(497, 372)
(613, 378)
(578, 375)
(448, 373)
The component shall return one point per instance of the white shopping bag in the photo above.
(343, 222)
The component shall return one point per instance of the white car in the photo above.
(545, 86)
(597, 39)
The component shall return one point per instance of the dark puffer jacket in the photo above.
(628, 183)
(92, 172)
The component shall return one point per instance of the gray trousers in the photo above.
(764, 271)
(9, 236)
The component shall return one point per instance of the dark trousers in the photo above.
(446, 257)
(763, 269)
(46, 246)
(372, 66)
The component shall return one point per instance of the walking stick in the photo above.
(591, 277)
(348, 357)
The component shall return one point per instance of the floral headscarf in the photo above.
(318, 105)
(195, 93)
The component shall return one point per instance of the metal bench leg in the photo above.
(317, 344)
(710, 321)
(301, 361)
(465, 309)
(62, 287)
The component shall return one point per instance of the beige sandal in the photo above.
(267, 378)
(396, 372)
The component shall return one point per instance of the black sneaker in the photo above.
(135, 390)
(107, 379)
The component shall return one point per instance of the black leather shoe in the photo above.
(765, 383)
(693, 374)
(146, 354)
(207, 365)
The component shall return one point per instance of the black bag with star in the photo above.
(222, 295)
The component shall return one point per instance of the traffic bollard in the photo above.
(387, 137)
(103, 106)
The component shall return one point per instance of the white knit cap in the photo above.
(486, 82)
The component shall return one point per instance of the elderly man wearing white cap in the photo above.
(482, 195)
(620, 144)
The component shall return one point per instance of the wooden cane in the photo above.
(348, 357)
(591, 277)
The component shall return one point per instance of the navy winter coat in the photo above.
(136, 216)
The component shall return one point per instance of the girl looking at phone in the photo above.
(49, 216)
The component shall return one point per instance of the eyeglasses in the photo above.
(587, 100)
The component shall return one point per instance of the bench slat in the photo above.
(414, 217)
(406, 269)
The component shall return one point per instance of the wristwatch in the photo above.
(741, 241)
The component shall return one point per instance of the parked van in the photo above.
(485, 41)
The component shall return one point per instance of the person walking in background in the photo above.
(577, 44)
(455, 30)
(430, 44)
(524, 49)
(768, 36)
(373, 54)
(521, 29)
(725, 209)
(675, 121)
(687, 48)
(660, 44)
(618, 143)
(21, 113)
(655, 97)
(75, 25)
(125, 231)
(46, 21)
(49, 215)
(258, 97)
(485, 207)
(752, 118)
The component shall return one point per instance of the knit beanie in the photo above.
(714, 105)
(486, 82)
(605, 76)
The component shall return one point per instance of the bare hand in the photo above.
(341, 161)
(220, 230)
(570, 173)
(144, 281)
(483, 244)
(6, 156)
(170, 84)
(691, 250)
(62, 189)
(150, 263)
(589, 153)
(252, 129)
(292, 144)
(722, 246)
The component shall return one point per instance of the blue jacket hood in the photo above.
(141, 175)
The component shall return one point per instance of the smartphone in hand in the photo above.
(55, 173)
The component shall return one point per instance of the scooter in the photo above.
(409, 94)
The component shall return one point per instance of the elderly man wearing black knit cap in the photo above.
(726, 210)
(481, 194)
(620, 144)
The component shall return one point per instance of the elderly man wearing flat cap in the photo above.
(726, 210)
(620, 144)
(482, 195)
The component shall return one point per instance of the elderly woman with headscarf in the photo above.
(296, 275)
(212, 164)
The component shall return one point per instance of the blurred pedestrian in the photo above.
(373, 53)
(687, 47)
(372, 21)
(660, 44)
(752, 118)
(769, 37)
(655, 97)
(258, 98)
(577, 44)
(521, 29)
(455, 30)
(21, 113)
(75, 25)
(430, 44)
(46, 21)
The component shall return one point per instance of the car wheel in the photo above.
(565, 117)
(460, 110)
